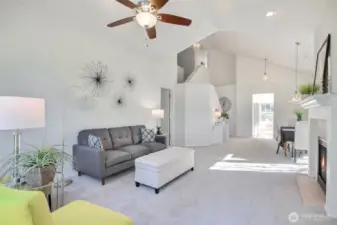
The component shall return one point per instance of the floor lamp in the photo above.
(16, 114)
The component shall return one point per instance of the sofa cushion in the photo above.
(101, 133)
(154, 146)
(35, 200)
(136, 134)
(14, 213)
(114, 157)
(85, 213)
(120, 136)
(135, 151)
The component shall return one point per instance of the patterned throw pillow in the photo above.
(148, 135)
(95, 142)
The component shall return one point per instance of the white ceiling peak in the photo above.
(87, 19)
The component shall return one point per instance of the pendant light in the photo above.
(265, 76)
(297, 95)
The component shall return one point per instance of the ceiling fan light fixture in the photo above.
(146, 19)
(270, 14)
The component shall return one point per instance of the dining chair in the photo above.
(287, 134)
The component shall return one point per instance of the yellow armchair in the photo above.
(31, 208)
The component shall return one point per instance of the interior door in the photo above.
(166, 106)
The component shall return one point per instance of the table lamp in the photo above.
(18, 113)
(158, 114)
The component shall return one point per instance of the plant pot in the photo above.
(40, 176)
(299, 117)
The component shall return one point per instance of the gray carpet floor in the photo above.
(242, 182)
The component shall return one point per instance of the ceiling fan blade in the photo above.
(121, 22)
(159, 3)
(151, 32)
(127, 3)
(167, 18)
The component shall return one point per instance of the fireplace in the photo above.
(322, 163)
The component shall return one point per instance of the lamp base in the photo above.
(159, 132)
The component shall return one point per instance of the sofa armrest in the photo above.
(89, 161)
(161, 139)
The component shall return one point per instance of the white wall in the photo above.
(222, 68)
(200, 75)
(194, 105)
(229, 91)
(186, 60)
(181, 76)
(38, 60)
(201, 56)
(178, 115)
(198, 115)
(249, 81)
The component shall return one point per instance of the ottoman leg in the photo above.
(79, 173)
(103, 181)
(192, 169)
(156, 190)
(137, 184)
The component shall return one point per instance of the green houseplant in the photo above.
(38, 167)
(224, 116)
(299, 113)
(308, 89)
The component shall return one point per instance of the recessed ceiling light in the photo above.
(270, 13)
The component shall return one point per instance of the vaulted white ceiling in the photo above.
(278, 48)
(85, 20)
(247, 31)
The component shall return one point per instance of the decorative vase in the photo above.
(40, 176)
(299, 117)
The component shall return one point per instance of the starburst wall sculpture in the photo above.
(96, 78)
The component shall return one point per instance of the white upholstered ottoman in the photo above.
(159, 168)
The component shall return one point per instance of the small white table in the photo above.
(301, 137)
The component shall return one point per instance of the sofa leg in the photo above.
(156, 190)
(137, 184)
(103, 182)
(79, 173)
(192, 169)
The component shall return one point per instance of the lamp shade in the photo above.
(217, 113)
(21, 113)
(158, 113)
(146, 19)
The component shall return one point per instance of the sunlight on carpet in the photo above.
(260, 167)
(231, 163)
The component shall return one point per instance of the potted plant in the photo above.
(38, 167)
(309, 89)
(299, 113)
(224, 116)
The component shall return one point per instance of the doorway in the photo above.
(263, 115)
(165, 104)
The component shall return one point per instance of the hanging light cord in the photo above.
(265, 67)
(296, 68)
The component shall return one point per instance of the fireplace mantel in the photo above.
(314, 101)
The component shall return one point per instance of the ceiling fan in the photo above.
(147, 16)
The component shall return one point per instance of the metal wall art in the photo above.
(96, 77)
(119, 101)
(130, 81)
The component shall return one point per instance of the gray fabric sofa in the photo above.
(122, 146)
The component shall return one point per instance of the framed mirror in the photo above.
(323, 67)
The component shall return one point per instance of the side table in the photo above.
(162, 138)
